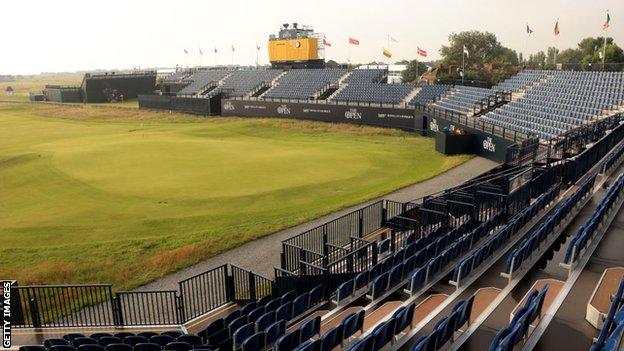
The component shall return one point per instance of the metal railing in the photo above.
(95, 305)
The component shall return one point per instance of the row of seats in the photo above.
(263, 316)
(560, 96)
(445, 329)
(385, 332)
(429, 93)
(242, 82)
(520, 81)
(365, 76)
(122, 341)
(462, 99)
(374, 93)
(612, 331)
(303, 83)
(584, 234)
(613, 159)
(508, 337)
(526, 248)
(200, 79)
(420, 264)
(472, 262)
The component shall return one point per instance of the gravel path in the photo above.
(263, 254)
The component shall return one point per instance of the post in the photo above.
(463, 65)
(604, 50)
(34, 313)
(252, 285)
(117, 310)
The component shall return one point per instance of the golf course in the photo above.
(93, 194)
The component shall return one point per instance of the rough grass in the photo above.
(125, 196)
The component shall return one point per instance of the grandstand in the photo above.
(203, 81)
(551, 103)
(304, 84)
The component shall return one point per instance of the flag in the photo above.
(387, 53)
(421, 52)
(185, 52)
(200, 52)
(608, 22)
(233, 49)
(557, 28)
(326, 43)
(257, 47)
(529, 30)
(466, 51)
(354, 41)
(215, 49)
(393, 40)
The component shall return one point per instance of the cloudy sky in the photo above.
(64, 35)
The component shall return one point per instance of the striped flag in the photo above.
(353, 41)
(387, 53)
(608, 22)
(466, 51)
(557, 27)
(421, 52)
(326, 43)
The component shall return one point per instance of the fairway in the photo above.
(124, 196)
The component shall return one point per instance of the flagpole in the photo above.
(463, 64)
(349, 55)
(604, 49)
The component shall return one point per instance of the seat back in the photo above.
(310, 328)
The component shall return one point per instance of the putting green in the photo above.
(125, 196)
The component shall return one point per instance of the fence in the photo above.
(96, 305)
(312, 247)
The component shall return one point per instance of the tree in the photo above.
(332, 64)
(539, 59)
(409, 74)
(570, 59)
(483, 47)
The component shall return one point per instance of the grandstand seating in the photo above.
(462, 99)
(201, 79)
(445, 328)
(303, 83)
(560, 101)
(242, 82)
(584, 234)
(472, 262)
(365, 76)
(428, 93)
(613, 159)
(525, 249)
(612, 331)
(375, 93)
(506, 338)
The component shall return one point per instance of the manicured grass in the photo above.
(125, 196)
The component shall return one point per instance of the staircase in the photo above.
(274, 83)
(411, 95)
(343, 78)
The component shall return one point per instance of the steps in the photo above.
(411, 95)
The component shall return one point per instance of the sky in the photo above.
(67, 35)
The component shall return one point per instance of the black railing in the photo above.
(204, 292)
(64, 305)
(96, 305)
(147, 308)
(474, 123)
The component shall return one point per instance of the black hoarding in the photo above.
(484, 144)
(400, 118)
